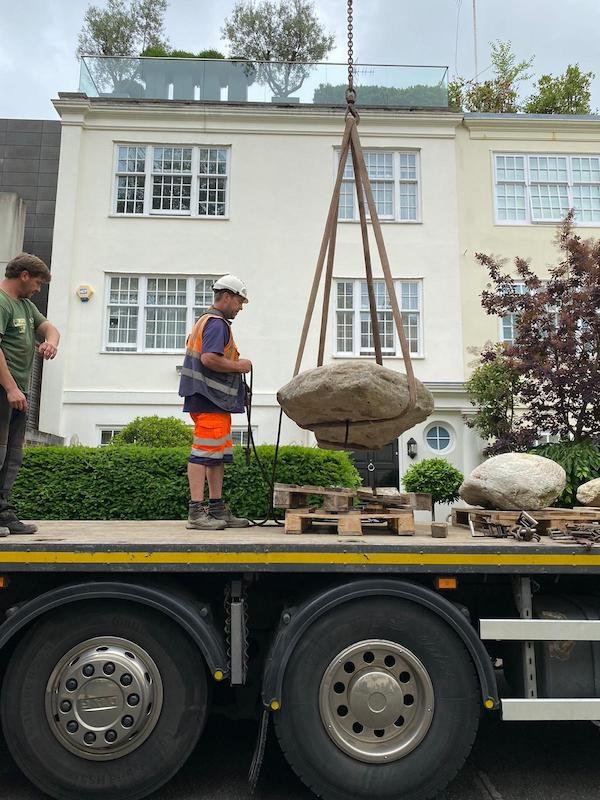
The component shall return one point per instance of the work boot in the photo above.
(222, 513)
(200, 520)
(8, 519)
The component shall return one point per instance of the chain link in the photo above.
(350, 91)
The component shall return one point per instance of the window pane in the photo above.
(408, 201)
(408, 166)
(211, 197)
(549, 201)
(438, 438)
(130, 194)
(166, 292)
(508, 328)
(409, 296)
(510, 201)
(379, 165)
(213, 161)
(547, 168)
(411, 325)
(131, 159)
(586, 200)
(586, 170)
(172, 159)
(346, 206)
(165, 328)
(344, 331)
(171, 193)
(510, 168)
(203, 294)
(122, 328)
(123, 290)
(386, 332)
(383, 192)
(345, 294)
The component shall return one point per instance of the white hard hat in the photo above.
(232, 284)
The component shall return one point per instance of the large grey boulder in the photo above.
(372, 398)
(589, 493)
(514, 481)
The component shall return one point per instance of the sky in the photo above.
(38, 39)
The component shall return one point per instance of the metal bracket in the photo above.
(238, 633)
(523, 598)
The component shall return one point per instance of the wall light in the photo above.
(411, 448)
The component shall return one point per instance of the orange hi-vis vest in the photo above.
(221, 388)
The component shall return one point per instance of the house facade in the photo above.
(157, 198)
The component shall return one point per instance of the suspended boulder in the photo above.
(354, 405)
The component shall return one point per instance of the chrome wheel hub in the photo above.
(104, 698)
(376, 701)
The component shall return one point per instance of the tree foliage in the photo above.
(566, 94)
(284, 31)
(493, 389)
(417, 95)
(122, 29)
(164, 52)
(581, 462)
(434, 476)
(556, 349)
(497, 95)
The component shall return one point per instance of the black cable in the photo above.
(250, 443)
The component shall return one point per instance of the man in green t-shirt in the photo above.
(20, 323)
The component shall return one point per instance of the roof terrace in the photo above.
(234, 81)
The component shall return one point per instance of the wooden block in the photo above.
(439, 530)
(296, 523)
(349, 525)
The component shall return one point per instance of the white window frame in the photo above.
(356, 310)
(149, 174)
(243, 431)
(397, 181)
(440, 424)
(527, 183)
(142, 306)
(102, 428)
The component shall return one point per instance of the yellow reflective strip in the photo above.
(295, 557)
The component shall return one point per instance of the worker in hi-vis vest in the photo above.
(212, 385)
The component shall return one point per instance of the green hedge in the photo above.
(581, 462)
(133, 482)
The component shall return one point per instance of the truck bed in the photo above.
(166, 546)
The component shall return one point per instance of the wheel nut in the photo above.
(72, 726)
(109, 668)
(88, 670)
(127, 721)
(89, 738)
(126, 679)
(65, 706)
(71, 684)
(133, 699)
(110, 736)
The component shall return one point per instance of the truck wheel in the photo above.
(380, 699)
(103, 701)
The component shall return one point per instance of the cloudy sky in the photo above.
(38, 38)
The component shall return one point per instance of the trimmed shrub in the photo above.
(133, 482)
(155, 432)
(581, 462)
(434, 476)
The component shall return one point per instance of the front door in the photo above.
(378, 467)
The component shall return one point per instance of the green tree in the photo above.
(155, 432)
(434, 476)
(499, 95)
(122, 29)
(493, 389)
(164, 52)
(566, 94)
(285, 31)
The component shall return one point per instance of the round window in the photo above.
(438, 438)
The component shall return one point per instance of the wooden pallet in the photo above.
(292, 496)
(393, 498)
(547, 517)
(351, 523)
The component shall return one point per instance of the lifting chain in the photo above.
(350, 91)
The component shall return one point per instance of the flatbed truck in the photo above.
(374, 655)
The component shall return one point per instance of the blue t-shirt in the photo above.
(214, 338)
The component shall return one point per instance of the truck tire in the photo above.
(103, 701)
(380, 699)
